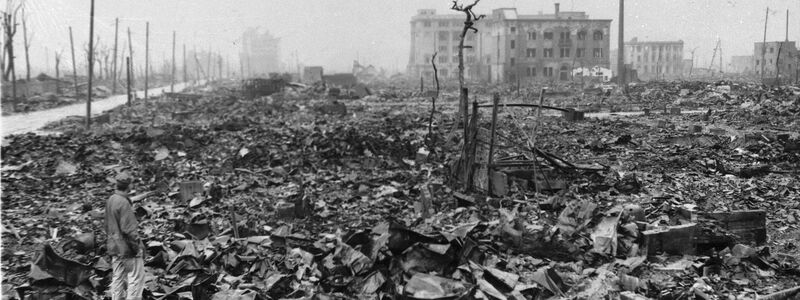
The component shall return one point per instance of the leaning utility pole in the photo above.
(91, 68)
(621, 45)
(764, 46)
(114, 77)
(172, 84)
(128, 77)
(146, 58)
(74, 70)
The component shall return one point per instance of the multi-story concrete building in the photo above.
(510, 46)
(260, 53)
(654, 60)
(769, 58)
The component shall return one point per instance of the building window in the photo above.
(532, 35)
(530, 52)
(598, 52)
(442, 48)
(771, 50)
(645, 69)
(427, 58)
(455, 49)
(443, 73)
(470, 36)
(580, 52)
(548, 52)
(770, 61)
(470, 59)
(426, 24)
(513, 44)
(638, 59)
(638, 48)
(547, 72)
(531, 72)
(582, 35)
(598, 35)
(757, 62)
(443, 35)
(563, 36)
(564, 52)
(455, 59)
(443, 59)
(456, 35)
(443, 24)
(512, 61)
(513, 29)
(645, 58)
(548, 35)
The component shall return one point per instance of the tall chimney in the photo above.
(557, 9)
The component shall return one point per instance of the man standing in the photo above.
(124, 245)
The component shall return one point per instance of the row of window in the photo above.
(546, 72)
(676, 48)
(468, 59)
(758, 63)
(675, 56)
(564, 52)
(443, 23)
(564, 36)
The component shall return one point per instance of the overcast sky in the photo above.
(334, 33)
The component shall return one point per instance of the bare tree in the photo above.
(9, 30)
(469, 22)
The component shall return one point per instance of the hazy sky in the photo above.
(333, 33)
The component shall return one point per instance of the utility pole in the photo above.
(184, 63)
(58, 81)
(764, 46)
(91, 68)
(146, 58)
(128, 76)
(116, 32)
(172, 85)
(621, 45)
(692, 65)
(74, 70)
(130, 53)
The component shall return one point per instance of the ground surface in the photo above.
(333, 204)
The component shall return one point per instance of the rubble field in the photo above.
(303, 195)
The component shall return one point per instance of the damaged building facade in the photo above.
(655, 60)
(260, 53)
(511, 47)
(776, 56)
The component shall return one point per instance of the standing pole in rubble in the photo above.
(764, 46)
(74, 69)
(130, 53)
(184, 63)
(621, 45)
(128, 77)
(490, 169)
(146, 58)
(91, 68)
(114, 76)
(172, 84)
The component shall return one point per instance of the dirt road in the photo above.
(31, 122)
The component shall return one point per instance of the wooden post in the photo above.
(146, 58)
(473, 146)
(114, 77)
(91, 68)
(172, 84)
(421, 85)
(764, 46)
(128, 77)
(130, 53)
(74, 70)
(621, 46)
(184, 64)
(489, 169)
(58, 82)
